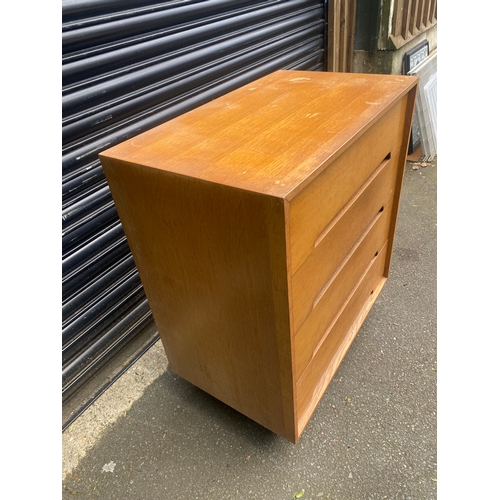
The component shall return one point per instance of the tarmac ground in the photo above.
(373, 436)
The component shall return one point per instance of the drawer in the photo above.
(339, 239)
(339, 336)
(313, 208)
(337, 291)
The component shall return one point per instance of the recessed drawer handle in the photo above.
(351, 201)
(344, 305)
(347, 257)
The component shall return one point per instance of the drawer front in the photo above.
(319, 372)
(339, 239)
(313, 209)
(337, 292)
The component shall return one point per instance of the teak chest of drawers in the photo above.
(262, 226)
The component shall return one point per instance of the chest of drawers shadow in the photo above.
(262, 225)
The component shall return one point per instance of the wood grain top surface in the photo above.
(271, 136)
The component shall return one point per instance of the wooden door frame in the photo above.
(341, 22)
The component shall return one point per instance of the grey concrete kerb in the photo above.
(117, 400)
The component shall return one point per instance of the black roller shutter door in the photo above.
(127, 66)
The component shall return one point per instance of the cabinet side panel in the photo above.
(406, 123)
(212, 260)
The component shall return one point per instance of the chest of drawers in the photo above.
(262, 225)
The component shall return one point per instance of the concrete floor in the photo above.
(373, 435)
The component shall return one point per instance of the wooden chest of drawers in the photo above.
(262, 225)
